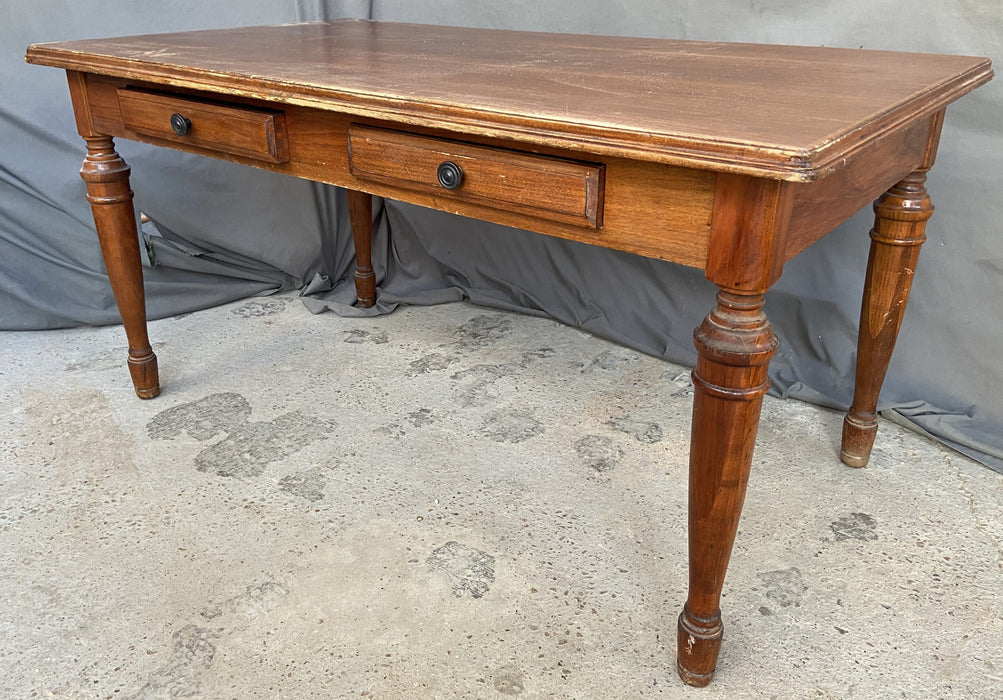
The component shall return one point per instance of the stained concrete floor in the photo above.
(454, 502)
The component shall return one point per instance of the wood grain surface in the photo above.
(647, 208)
(242, 131)
(785, 112)
(555, 188)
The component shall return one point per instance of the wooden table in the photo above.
(732, 158)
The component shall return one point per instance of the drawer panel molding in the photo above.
(236, 129)
(557, 189)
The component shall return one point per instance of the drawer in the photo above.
(557, 189)
(239, 130)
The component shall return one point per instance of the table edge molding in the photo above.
(740, 157)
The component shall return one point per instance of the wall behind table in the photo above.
(218, 223)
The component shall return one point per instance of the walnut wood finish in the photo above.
(900, 217)
(899, 231)
(107, 178)
(821, 206)
(552, 188)
(242, 131)
(785, 112)
(649, 209)
(728, 157)
(734, 346)
(360, 215)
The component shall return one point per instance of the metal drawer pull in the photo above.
(450, 175)
(180, 124)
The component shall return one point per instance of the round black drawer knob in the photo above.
(450, 175)
(180, 125)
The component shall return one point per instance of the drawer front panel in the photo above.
(235, 129)
(551, 188)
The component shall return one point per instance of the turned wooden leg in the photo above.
(734, 346)
(360, 215)
(107, 178)
(899, 231)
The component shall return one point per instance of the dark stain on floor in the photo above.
(598, 452)
(260, 307)
(610, 360)
(511, 426)
(423, 416)
(469, 570)
(358, 336)
(430, 363)
(784, 588)
(642, 430)
(476, 385)
(855, 526)
(248, 447)
(307, 484)
(193, 647)
(531, 356)
(484, 330)
(192, 651)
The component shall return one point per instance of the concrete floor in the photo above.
(454, 502)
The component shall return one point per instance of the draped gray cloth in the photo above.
(221, 232)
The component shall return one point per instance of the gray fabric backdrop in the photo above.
(223, 231)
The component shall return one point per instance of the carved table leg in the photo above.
(107, 178)
(899, 231)
(734, 345)
(360, 215)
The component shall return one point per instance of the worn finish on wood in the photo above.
(900, 217)
(243, 131)
(360, 216)
(649, 209)
(775, 111)
(552, 188)
(728, 157)
(899, 231)
(748, 232)
(734, 346)
(821, 206)
(107, 178)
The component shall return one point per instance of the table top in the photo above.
(784, 112)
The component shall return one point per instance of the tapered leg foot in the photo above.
(899, 231)
(145, 375)
(859, 432)
(108, 191)
(699, 642)
(360, 215)
(734, 346)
